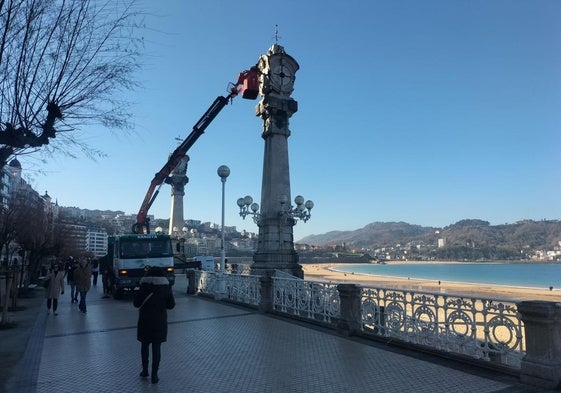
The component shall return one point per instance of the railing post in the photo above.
(266, 281)
(191, 282)
(350, 320)
(542, 364)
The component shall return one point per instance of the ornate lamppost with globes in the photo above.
(302, 210)
(223, 172)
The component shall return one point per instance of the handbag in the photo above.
(46, 282)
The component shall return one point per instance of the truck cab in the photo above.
(133, 254)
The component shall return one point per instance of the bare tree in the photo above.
(34, 234)
(24, 225)
(8, 220)
(63, 63)
(17, 211)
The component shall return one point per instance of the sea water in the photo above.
(532, 275)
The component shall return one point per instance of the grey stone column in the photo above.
(177, 180)
(350, 319)
(542, 364)
(275, 246)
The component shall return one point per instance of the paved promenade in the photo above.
(214, 347)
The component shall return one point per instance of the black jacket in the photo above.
(152, 317)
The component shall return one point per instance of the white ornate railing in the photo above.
(206, 282)
(243, 289)
(242, 268)
(308, 299)
(485, 329)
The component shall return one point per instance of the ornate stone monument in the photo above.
(178, 179)
(275, 248)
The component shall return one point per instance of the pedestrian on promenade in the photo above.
(56, 286)
(69, 268)
(153, 300)
(95, 271)
(107, 278)
(83, 277)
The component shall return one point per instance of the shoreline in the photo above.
(326, 272)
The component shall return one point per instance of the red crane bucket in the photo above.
(250, 85)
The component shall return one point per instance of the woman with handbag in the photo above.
(55, 286)
(153, 300)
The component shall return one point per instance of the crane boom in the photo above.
(247, 84)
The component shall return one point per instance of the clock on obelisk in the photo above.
(275, 247)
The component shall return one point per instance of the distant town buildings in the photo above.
(96, 241)
(84, 232)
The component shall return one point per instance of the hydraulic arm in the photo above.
(248, 86)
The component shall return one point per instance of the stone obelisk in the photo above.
(177, 179)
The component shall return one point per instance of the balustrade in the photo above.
(487, 329)
(318, 301)
(207, 282)
(490, 330)
(243, 289)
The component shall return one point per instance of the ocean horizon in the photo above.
(525, 275)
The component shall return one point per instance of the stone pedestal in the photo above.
(350, 315)
(191, 282)
(542, 364)
(266, 281)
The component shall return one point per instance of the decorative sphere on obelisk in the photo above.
(275, 247)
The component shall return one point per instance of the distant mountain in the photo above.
(469, 233)
(376, 233)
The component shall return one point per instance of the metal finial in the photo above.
(277, 36)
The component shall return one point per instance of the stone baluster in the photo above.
(350, 319)
(191, 282)
(266, 281)
(542, 364)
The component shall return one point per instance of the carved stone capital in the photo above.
(273, 103)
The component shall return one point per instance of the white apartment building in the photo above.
(96, 241)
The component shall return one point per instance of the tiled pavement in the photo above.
(215, 347)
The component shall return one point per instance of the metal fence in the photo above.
(307, 299)
(485, 329)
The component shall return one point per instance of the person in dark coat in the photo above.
(83, 278)
(107, 275)
(69, 268)
(153, 300)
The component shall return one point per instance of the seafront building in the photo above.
(96, 241)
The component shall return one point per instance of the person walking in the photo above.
(69, 268)
(153, 300)
(55, 286)
(83, 278)
(107, 278)
(95, 271)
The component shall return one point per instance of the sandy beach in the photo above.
(323, 272)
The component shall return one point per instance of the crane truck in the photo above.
(133, 253)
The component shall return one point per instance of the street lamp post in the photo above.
(223, 171)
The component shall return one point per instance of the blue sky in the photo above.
(426, 112)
